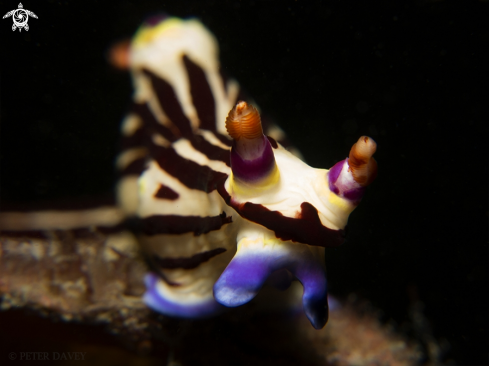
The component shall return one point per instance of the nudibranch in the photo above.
(222, 206)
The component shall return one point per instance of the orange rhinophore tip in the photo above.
(363, 166)
(118, 55)
(244, 121)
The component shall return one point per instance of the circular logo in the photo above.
(20, 17)
(12, 355)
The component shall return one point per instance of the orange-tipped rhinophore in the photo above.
(118, 54)
(244, 121)
(363, 166)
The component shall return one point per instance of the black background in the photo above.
(407, 74)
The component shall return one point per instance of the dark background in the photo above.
(407, 74)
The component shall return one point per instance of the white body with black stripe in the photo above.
(167, 54)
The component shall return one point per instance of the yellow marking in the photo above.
(260, 244)
(339, 202)
(249, 243)
(273, 242)
(142, 185)
(146, 34)
(253, 188)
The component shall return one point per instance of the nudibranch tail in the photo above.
(118, 55)
(252, 159)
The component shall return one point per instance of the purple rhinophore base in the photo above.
(333, 175)
(355, 194)
(341, 182)
(256, 169)
(247, 272)
(153, 299)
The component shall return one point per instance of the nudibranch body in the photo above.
(222, 214)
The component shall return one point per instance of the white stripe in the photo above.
(212, 139)
(144, 94)
(185, 149)
(127, 194)
(275, 132)
(128, 156)
(160, 140)
(191, 201)
(131, 124)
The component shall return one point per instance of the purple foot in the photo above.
(255, 262)
(159, 299)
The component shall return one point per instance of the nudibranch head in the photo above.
(286, 226)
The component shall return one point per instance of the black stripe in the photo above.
(224, 139)
(202, 97)
(213, 152)
(175, 224)
(136, 167)
(151, 124)
(154, 267)
(272, 142)
(306, 228)
(189, 173)
(135, 140)
(187, 262)
(166, 193)
(170, 103)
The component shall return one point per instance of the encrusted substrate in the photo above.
(84, 276)
(98, 278)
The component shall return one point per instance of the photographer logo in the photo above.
(20, 17)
